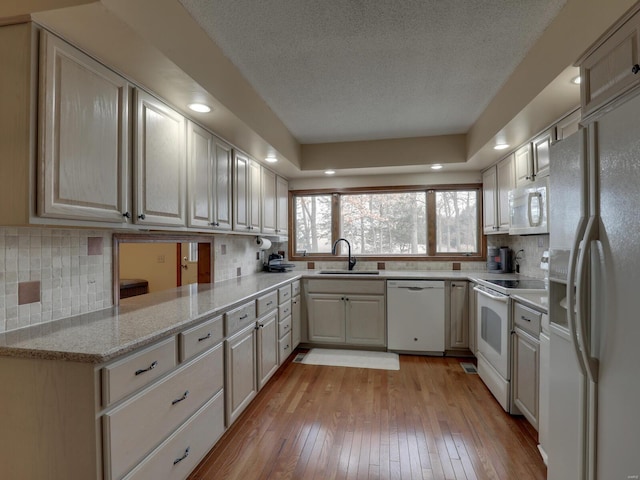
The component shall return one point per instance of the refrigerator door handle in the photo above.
(588, 361)
(571, 280)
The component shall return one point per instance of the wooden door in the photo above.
(83, 149)
(160, 160)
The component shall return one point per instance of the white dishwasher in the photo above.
(415, 316)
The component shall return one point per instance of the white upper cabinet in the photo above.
(541, 146)
(282, 206)
(247, 194)
(159, 163)
(209, 166)
(83, 148)
(269, 202)
(496, 183)
(524, 165)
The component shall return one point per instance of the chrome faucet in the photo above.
(352, 260)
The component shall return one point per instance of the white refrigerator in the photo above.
(594, 300)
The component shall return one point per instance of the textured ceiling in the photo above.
(368, 69)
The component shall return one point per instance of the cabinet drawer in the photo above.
(284, 327)
(182, 451)
(200, 337)
(240, 317)
(267, 302)
(346, 286)
(284, 310)
(284, 294)
(284, 348)
(527, 319)
(133, 429)
(295, 288)
(135, 371)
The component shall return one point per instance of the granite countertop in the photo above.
(101, 336)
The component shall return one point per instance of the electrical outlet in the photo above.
(239, 271)
(223, 249)
(540, 242)
(160, 259)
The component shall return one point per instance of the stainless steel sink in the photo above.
(349, 272)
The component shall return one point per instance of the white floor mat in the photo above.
(352, 358)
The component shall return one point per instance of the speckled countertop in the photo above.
(104, 335)
(539, 301)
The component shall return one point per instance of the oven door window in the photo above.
(491, 329)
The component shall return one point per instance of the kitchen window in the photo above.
(416, 223)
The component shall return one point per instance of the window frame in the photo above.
(431, 254)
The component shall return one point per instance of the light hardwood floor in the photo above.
(429, 420)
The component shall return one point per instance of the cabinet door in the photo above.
(365, 320)
(223, 166)
(241, 366)
(160, 158)
(326, 318)
(296, 321)
(489, 189)
(84, 151)
(269, 205)
(200, 166)
(473, 340)
(240, 192)
(282, 206)
(568, 126)
(541, 154)
(267, 340)
(526, 353)
(458, 316)
(506, 181)
(523, 165)
(255, 196)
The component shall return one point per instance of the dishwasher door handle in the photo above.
(417, 289)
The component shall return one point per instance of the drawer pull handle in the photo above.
(244, 316)
(186, 454)
(525, 318)
(206, 337)
(151, 367)
(270, 303)
(183, 397)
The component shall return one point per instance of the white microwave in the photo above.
(529, 209)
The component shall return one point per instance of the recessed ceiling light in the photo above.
(271, 159)
(329, 172)
(576, 80)
(199, 107)
(501, 146)
(437, 166)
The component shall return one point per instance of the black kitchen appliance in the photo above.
(276, 263)
(499, 260)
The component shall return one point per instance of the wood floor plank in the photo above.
(429, 420)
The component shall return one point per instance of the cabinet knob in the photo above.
(635, 69)
(142, 216)
(126, 215)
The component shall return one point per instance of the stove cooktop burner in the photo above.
(516, 284)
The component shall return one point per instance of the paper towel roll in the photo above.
(263, 243)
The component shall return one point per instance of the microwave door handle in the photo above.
(531, 197)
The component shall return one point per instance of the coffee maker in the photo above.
(499, 260)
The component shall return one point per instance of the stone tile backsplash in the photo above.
(47, 274)
(533, 246)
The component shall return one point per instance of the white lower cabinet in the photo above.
(349, 312)
(457, 317)
(241, 371)
(296, 321)
(267, 347)
(133, 429)
(177, 456)
(526, 360)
